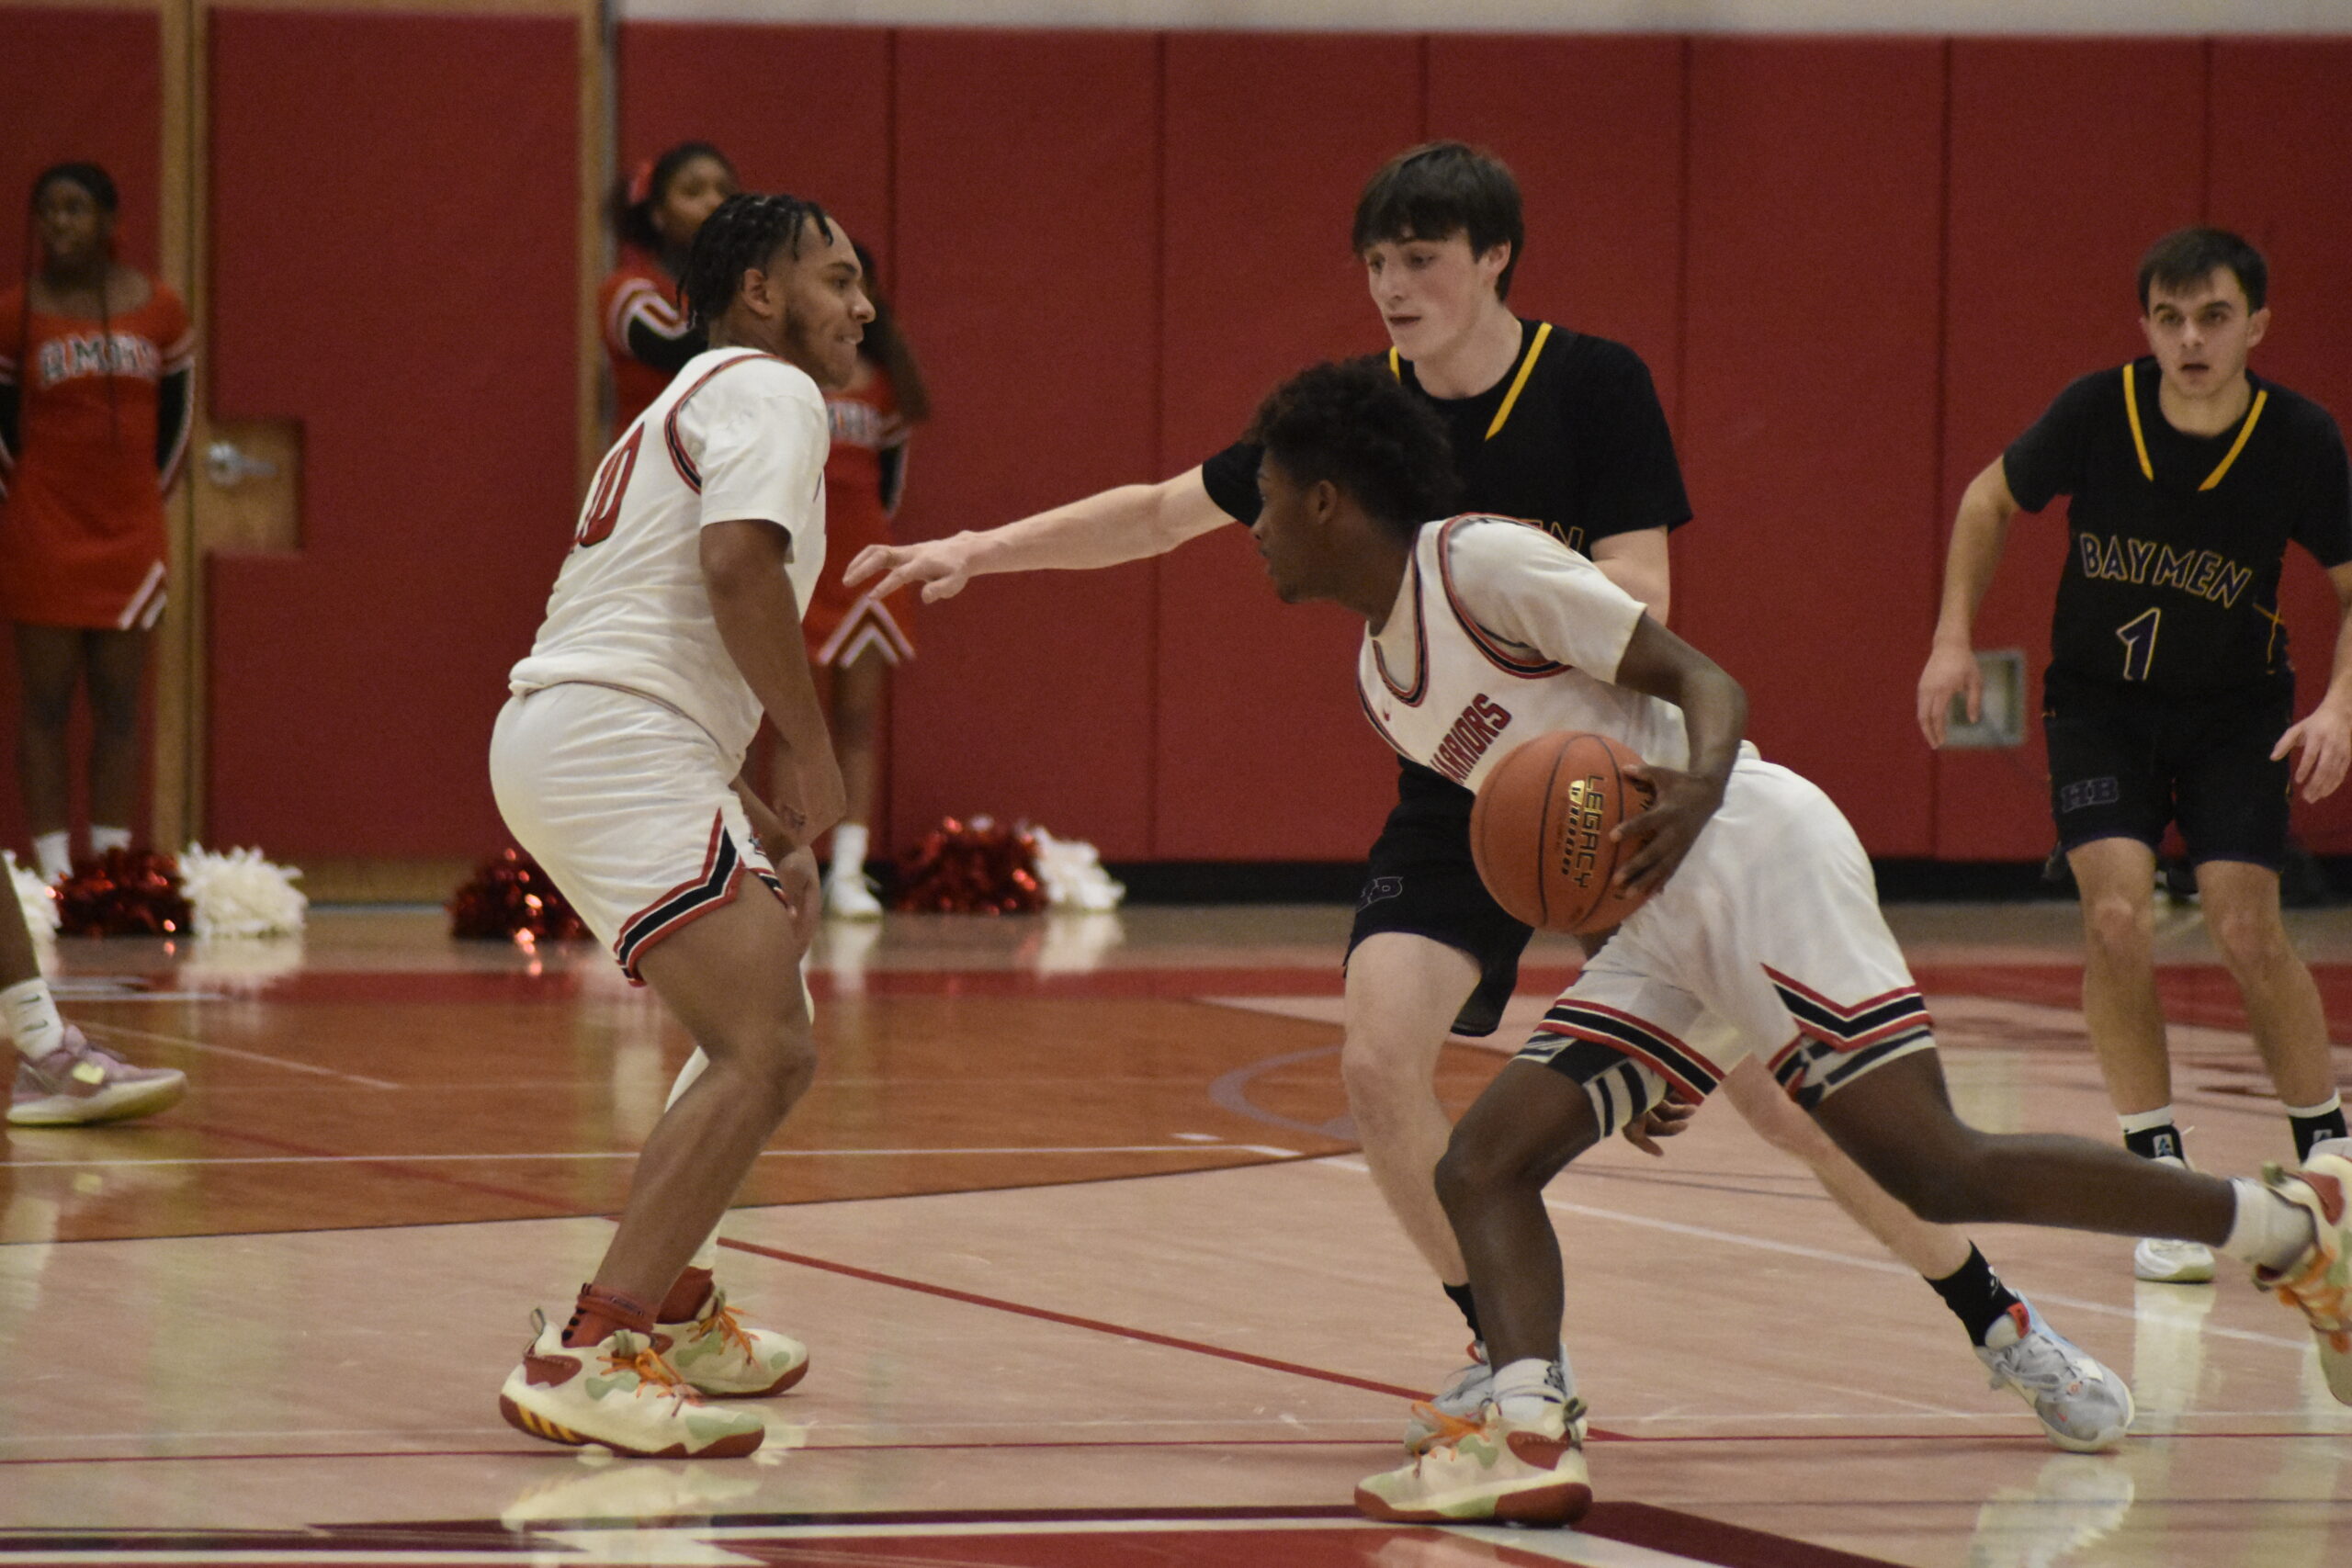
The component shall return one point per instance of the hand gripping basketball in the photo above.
(1541, 830)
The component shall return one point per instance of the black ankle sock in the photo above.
(2310, 1130)
(1975, 1295)
(2155, 1142)
(1459, 1296)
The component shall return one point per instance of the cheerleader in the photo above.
(647, 337)
(96, 369)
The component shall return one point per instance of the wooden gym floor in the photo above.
(1073, 1223)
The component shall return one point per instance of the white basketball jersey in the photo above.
(1500, 633)
(738, 434)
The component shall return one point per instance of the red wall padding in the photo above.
(1028, 279)
(2066, 160)
(1809, 404)
(75, 86)
(2281, 120)
(408, 292)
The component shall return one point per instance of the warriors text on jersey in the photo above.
(1499, 635)
(738, 435)
(2172, 580)
(1572, 438)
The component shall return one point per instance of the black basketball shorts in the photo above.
(1422, 882)
(2124, 761)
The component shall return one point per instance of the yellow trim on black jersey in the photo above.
(2238, 446)
(1396, 363)
(2140, 439)
(1526, 368)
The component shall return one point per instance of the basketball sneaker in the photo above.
(2320, 1282)
(620, 1394)
(1464, 1396)
(1491, 1468)
(849, 894)
(2165, 1262)
(721, 1357)
(80, 1083)
(2083, 1406)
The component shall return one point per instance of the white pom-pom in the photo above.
(241, 966)
(1071, 872)
(239, 894)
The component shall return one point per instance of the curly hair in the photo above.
(744, 232)
(1354, 425)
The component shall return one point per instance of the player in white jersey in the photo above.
(1762, 937)
(674, 626)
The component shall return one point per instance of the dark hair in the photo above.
(92, 179)
(886, 345)
(1439, 189)
(1354, 425)
(744, 233)
(634, 202)
(2186, 257)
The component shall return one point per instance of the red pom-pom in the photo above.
(970, 869)
(122, 893)
(509, 898)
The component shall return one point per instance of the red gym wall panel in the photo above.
(1027, 277)
(107, 110)
(409, 295)
(2281, 122)
(1809, 404)
(1262, 751)
(2067, 159)
(1592, 127)
(799, 109)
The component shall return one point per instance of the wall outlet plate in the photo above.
(2003, 723)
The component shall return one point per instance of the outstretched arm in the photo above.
(1977, 536)
(1130, 522)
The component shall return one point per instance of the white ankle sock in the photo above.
(849, 851)
(31, 1013)
(105, 839)
(54, 853)
(2268, 1230)
(1528, 1389)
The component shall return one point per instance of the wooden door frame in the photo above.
(181, 732)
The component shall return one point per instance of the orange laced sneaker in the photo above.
(722, 1358)
(619, 1394)
(2318, 1284)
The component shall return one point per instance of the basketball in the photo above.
(1540, 830)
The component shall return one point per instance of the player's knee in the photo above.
(1380, 1079)
(2249, 938)
(783, 1066)
(2120, 926)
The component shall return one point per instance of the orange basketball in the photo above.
(1540, 830)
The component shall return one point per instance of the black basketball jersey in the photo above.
(1572, 438)
(2177, 540)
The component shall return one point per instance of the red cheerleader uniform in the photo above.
(93, 424)
(646, 337)
(864, 476)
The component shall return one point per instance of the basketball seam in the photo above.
(1544, 835)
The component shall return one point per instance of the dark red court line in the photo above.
(391, 1165)
(898, 1282)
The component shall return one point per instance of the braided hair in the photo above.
(100, 185)
(744, 233)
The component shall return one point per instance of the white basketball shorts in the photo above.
(1766, 942)
(629, 805)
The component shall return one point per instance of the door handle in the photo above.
(227, 465)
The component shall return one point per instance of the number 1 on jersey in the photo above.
(604, 498)
(2139, 638)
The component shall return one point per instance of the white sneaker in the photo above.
(721, 1357)
(1489, 1467)
(2082, 1406)
(79, 1083)
(2163, 1262)
(621, 1393)
(850, 895)
(1463, 1397)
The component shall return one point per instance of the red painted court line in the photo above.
(876, 1277)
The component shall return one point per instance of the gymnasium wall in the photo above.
(1107, 246)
